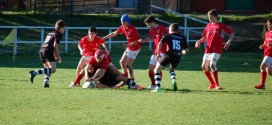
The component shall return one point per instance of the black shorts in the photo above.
(172, 59)
(46, 55)
(107, 80)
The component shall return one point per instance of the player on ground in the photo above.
(133, 45)
(49, 53)
(156, 32)
(177, 45)
(213, 34)
(103, 73)
(266, 65)
(87, 47)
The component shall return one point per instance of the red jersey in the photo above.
(88, 47)
(103, 64)
(214, 34)
(132, 35)
(267, 40)
(157, 33)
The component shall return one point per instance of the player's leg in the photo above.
(263, 71)
(214, 59)
(205, 68)
(52, 66)
(131, 56)
(151, 67)
(81, 64)
(127, 81)
(45, 56)
(165, 60)
(173, 64)
(122, 63)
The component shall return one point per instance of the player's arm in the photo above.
(112, 34)
(105, 47)
(159, 51)
(227, 45)
(56, 52)
(147, 39)
(98, 74)
(80, 49)
(185, 47)
(132, 43)
(198, 43)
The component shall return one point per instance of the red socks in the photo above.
(208, 74)
(78, 78)
(263, 77)
(125, 74)
(215, 74)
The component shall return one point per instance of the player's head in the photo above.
(150, 22)
(174, 28)
(125, 20)
(99, 55)
(92, 32)
(213, 15)
(60, 26)
(269, 24)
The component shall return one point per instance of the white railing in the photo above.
(66, 35)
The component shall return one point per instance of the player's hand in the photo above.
(140, 41)
(59, 59)
(107, 51)
(227, 45)
(184, 52)
(261, 46)
(197, 44)
(126, 45)
(158, 57)
(81, 53)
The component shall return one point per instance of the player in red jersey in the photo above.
(133, 46)
(213, 34)
(49, 53)
(266, 65)
(156, 32)
(87, 47)
(103, 73)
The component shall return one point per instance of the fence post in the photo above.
(187, 36)
(110, 30)
(42, 35)
(185, 25)
(15, 43)
(150, 46)
(66, 40)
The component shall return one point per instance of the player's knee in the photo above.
(151, 71)
(263, 67)
(269, 71)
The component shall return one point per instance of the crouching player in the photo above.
(177, 45)
(103, 73)
(266, 65)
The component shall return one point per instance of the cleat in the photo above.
(260, 86)
(212, 86)
(174, 84)
(72, 85)
(217, 87)
(31, 76)
(139, 87)
(156, 90)
(46, 84)
(151, 87)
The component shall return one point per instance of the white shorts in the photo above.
(153, 59)
(211, 56)
(87, 58)
(131, 53)
(268, 61)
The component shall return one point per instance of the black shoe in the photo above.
(46, 84)
(31, 76)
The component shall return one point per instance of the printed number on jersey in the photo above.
(176, 44)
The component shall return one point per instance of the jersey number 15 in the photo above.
(176, 44)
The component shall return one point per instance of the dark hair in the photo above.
(269, 20)
(174, 27)
(92, 29)
(60, 24)
(213, 12)
(149, 19)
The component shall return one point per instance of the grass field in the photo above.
(238, 103)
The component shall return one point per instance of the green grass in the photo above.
(238, 103)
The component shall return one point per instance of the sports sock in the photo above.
(215, 75)
(157, 80)
(151, 76)
(46, 77)
(263, 77)
(125, 74)
(42, 71)
(173, 75)
(208, 74)
(78, 78)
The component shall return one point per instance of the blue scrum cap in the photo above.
(125, 18)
